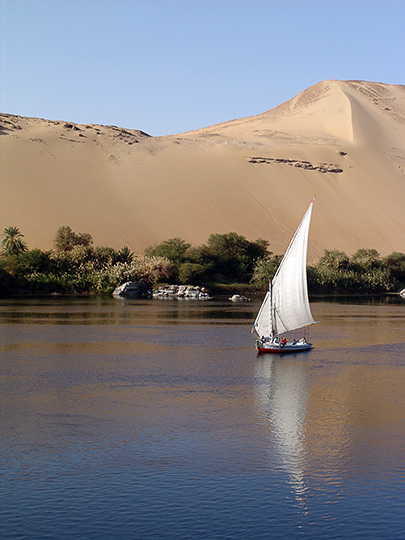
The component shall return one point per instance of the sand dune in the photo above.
(343, 141)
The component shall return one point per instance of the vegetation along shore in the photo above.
(225, 262)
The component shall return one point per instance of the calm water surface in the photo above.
(156, 420)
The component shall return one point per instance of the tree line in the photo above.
(76, 266)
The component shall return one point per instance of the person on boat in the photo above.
(276, 341)
(294, 342)
(283, 342)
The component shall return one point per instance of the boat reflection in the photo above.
(281, 394)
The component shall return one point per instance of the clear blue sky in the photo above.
(169, 66)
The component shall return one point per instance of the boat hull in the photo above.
(277, 349)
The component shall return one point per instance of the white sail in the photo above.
(262, 322)
(286, 305)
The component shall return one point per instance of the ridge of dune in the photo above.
(14, 124)
(327, 113)
(343, 141)
(302, 115)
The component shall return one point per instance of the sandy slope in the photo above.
(341, 141)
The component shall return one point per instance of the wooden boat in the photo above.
(286, 305)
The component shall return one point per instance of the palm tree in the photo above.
(13, 241)
(125, 254)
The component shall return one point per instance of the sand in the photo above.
(343, 141)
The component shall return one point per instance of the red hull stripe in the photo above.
(266, 350)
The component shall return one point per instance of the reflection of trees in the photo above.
(282, 395)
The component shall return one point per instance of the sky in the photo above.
(171, 66)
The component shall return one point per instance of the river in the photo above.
(155, 419)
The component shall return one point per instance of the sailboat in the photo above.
(286, 306)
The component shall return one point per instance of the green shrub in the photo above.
(233, 256)
(190, 273)
(365, 259)
(66, 239)
(264, 270)
(173, 249)
(395, 263)
(363, 273)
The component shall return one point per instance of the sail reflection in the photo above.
(281, 391)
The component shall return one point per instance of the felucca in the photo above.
(286, 306)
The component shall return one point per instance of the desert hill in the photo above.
(343, 141)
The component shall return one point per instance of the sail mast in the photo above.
(271, 334)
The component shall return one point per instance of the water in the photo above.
(156, 420)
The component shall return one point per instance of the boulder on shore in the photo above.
(182, 291)
(133, 289)
(239, 298)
